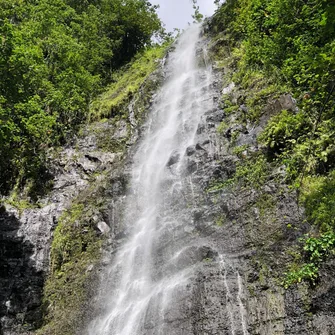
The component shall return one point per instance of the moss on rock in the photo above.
(76, 249)
(126, 84)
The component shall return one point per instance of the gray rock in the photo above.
(190, 150)
(103, 227)
(174, 158)
(121, 130)
(235, 239)
(87, 164)
(288, 102)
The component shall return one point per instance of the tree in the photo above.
(55, 56)
(197, 16)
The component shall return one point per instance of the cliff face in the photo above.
(241, 236)
(262, 215)
(26, 233)
(49, 249)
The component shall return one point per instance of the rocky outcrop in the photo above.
(26, 234)
(78, 173)
(21, 282)
(240, 237)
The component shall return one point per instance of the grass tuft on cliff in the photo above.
(75, 251)
(127, 82)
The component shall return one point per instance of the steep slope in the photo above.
(239, 228)
(49, 249)
(234, 220)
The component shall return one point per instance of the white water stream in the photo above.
(141, 293)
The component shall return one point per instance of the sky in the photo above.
(177, 13)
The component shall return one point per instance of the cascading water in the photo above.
(150, 273)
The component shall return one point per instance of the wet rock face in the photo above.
(236, 239)
(26, 235)
(24, 248)
(95, 157)
(249, 229)
(237, 290)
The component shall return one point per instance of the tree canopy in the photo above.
(55, 56)
(292, 43)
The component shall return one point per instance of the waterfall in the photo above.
(150, 273)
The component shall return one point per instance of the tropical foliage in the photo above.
(55, 56)
(293, 43)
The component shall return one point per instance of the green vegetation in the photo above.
(266, 204)
(240, 151)
(197, 16)
(316, 249)
(223, 126)
(277, 47)
(55, 57)
(250, 173)
(127, 82)
(319, 198)
(76, 249)
(220, 220)
(287, 46)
